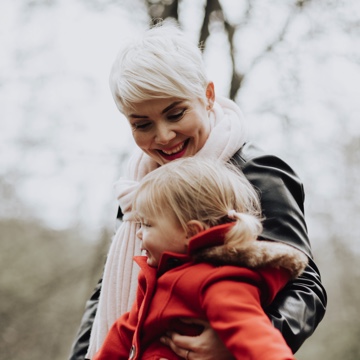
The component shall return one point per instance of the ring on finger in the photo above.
(187, 355)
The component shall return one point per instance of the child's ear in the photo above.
(194, 227)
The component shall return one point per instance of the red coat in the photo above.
(230, 297)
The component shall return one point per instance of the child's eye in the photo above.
(144, 224)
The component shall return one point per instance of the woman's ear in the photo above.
(194, 227)
(210, 95)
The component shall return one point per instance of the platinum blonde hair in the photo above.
(163, 63)
(209, 191)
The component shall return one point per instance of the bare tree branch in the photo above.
(162, 9)
(299, 6)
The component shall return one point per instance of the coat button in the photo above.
(132, 352)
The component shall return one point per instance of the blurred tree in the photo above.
(162, 9)
(214, 13)
(43, 289)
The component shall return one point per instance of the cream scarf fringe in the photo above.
(119, 283)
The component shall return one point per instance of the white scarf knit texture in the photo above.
(118, 289)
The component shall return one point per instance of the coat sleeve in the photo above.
(300, 306)
(118, 341)
(242, 323)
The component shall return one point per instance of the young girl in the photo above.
(199, 223)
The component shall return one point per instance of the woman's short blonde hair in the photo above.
(203, 190)
(163, 63)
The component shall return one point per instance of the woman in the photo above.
(160, 85)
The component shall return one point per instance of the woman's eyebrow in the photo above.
(134, 116)
(169, 107)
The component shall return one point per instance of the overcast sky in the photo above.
(61, 135)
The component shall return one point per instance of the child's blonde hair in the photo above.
(209, 191)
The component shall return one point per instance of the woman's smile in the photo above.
(175, 152)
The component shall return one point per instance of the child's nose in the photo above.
(139, 234)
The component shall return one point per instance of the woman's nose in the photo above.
(164, 134)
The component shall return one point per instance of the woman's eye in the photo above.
(141, 126)
(177, 115)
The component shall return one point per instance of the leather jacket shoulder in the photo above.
(281, 195)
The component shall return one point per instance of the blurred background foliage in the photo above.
(293, 67)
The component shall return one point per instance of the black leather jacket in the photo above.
(300, 306)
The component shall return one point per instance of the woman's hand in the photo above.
(206, 346)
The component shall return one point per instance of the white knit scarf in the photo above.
(119, 283)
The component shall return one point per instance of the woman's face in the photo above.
(168, 129)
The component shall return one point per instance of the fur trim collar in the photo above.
(209, 246)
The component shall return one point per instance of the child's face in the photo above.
(160, 234)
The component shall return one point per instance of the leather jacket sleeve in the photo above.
(81, 343)
(300, 306)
